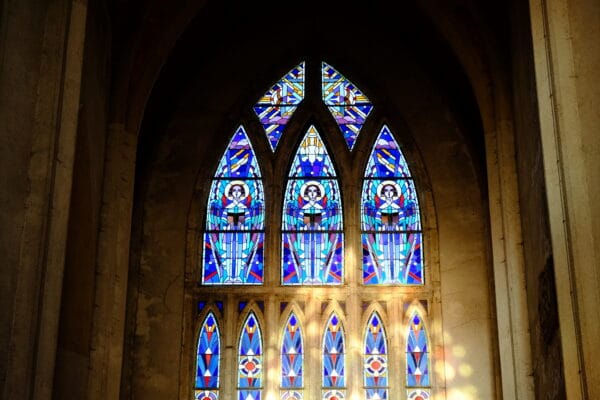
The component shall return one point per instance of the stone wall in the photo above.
(541, 293)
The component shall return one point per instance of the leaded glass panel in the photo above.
(375, 371)
(208, 358)
(250, 363)
(278, 104)
(234, 235)
(312, 218)
(390, 218)
(346, 103)
(417, 353)
(334, 354)
(292, 354)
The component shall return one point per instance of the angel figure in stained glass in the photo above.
(236, 199)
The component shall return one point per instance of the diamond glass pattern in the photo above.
(250, 360)
(334, 354)
(417, 353)
(208, 356)
(375, 359)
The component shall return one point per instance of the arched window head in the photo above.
(292, 359)
(312, 218)
(346, 103)
(208, 359)
(390, 219)
(417, 354)
(250, 363)
(234, 235)
(278, 104)
(334, 349)
(375, 360)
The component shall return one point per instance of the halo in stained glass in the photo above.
(312, 218)
(234, 235)
(390, 217)
(278, 104)
(208, 358)
(250, 360)
(292, 354)
(417, 353)
(346, 103)
(334, 354)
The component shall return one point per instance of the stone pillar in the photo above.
(566, 44)
(41, 61)
(112, 265)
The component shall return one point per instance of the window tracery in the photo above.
(312, 275)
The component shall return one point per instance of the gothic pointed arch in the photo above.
(334, 359)
(250, 359)
(312, 227)
(418, 379)
(234, 232)
(390, 217)
(208, 358)
(375, 355)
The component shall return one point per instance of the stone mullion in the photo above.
(354, 378)
(396, 352)
(271, 361)
(228, 372)
(312, 362)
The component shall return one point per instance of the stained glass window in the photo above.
(207, 360)
(390, 218)
(347, 104)
(417, 354)
(334, 372)
(417, 394)
(312, 218)
(250, 363)
(278, 104)
(234, 236)
(375, 360)
(292, 360)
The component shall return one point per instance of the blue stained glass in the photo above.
(375, 356)
(291, 395)
(390, 218)
(392, 258)
(249, 395)
(334, 394)
(206, 395)
(376, 394)
(333, 354)
(292, 355)
(234, 237)
(250, 360)
(347, 104)
(279, 103)
(387, 160)
(390, 205)
(417, 353)
(207, 362)
(312, 218)
(418, 394)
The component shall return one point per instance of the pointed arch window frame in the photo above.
(312, 219)
(234, 234)
(250, 364)
(391, 231)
